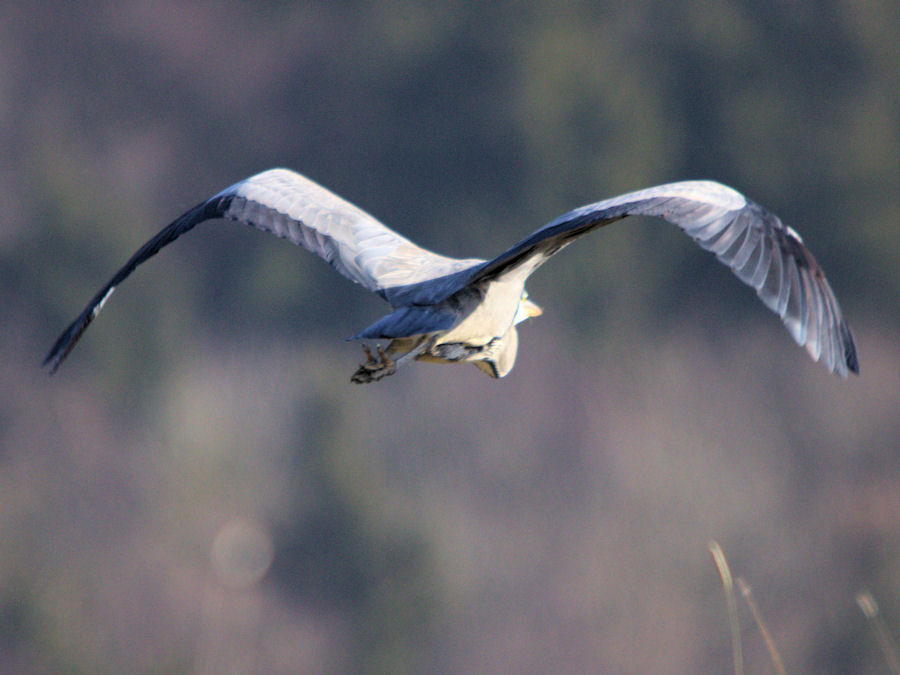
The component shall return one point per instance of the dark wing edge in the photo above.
(772, 258)
(760, 250)
(293, 207)
(213, 208)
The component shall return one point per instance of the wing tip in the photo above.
(67, 341)
(51, 369)
(53, 359)
(851, 359)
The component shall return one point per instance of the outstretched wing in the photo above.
(295, 208)
(762, 251)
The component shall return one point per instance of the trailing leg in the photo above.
(375, 369)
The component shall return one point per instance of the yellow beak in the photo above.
(531, 309)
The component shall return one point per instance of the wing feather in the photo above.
(760, 250)
(295, 208)
(357, 245)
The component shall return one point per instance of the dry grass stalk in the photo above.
(728, 584)
(869, 607)
(767, 636)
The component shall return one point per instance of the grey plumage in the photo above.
(447, 309)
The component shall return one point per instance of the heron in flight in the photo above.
(451, 310)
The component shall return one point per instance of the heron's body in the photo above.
(484, 333)
(452, 310)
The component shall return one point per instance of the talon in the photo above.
(373, 369)
(365, 373)
(386, 362)
(368, 352)
(361, 376)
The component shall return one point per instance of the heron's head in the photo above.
(527, 309)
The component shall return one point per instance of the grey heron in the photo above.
(466, 310)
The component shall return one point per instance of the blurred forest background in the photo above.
(200, 488)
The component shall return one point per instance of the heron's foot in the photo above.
(373, 369)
